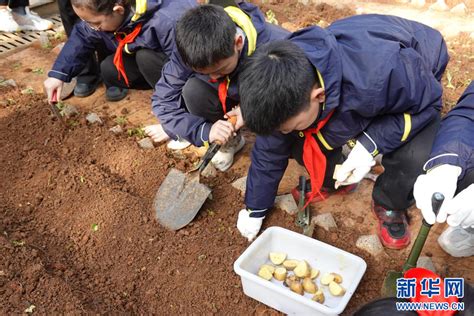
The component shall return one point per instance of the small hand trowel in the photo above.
(389, 288)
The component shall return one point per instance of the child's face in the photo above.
(224, 66)
(304, 119)
(102, 22)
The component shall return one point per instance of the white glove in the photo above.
(460, 210)
(249, 226)
(442, 179)
(357, 165)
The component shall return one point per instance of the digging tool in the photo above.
(389, 287)
(181, 195)
(55, 110)
(303, 218)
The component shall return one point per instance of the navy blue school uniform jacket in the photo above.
(158, 18)
(167, 101)
(454, 143)
(381, 77)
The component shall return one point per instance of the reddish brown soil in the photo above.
(78, 234)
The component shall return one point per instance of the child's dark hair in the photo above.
(275, 85)
(204, 36)
(101, 6)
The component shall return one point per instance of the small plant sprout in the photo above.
(38, 71)
(121, 120)
(82, 179)
(449, 78)
(18, 243)
(138, 132)
(95, 227)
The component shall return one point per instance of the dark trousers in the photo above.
(15, 3)
(143, 69)
(91, 72)
(201, 99)
(394, 187)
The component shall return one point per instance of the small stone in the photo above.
(117, 129)
(69, 111)
(287, 203)
(459, 9)
(426, 262)
(146, 143)
(325, 220)
(371, 244)
(9, 83)
(93, 118)
(209, 172)
(240, 184)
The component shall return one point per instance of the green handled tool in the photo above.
(389, 288)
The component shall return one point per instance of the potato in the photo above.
(264, 273)
(327, 278)
(318, 297)
(290, 279)
(297, 287)
(337, 278)
(280, 274)
(277, 257)
(314, 273)
(269, 267)
(335, 289)
(309, 286)
(290, 264)
(302, 270)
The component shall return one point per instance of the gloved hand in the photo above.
(442, 179)
(357, 165)
(460, 210)
(249, 226)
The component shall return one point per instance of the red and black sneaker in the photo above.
(325, 192)
(393, 227)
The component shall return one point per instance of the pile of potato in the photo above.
(300, 277)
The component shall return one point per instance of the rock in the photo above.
(323, 24)
(371, 244)
(146, 143)
(93, 118)
(325, 220)
(9, 83)
(460, 9)
(426, 262)
(440, 5)
(286, 203)
(289, 26)
(240, 184)
(69, 111)
(209, 172)
(117, 129)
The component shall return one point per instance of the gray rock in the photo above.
(240, 184)
(93, 118)
(69, 110)
(371, 244)
(460, 9)
(146, 143)
(286, 203)
(209, 172)
(117, 129)
(426, 262)
(325, 220)
(9, 83)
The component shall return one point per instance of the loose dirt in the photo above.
(78, 233)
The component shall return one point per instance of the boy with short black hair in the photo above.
(371, 81)
(199, 83)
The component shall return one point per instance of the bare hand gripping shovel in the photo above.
(181, 195)
(389, 288)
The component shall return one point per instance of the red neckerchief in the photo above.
(118, 60)
(222, 91)
(314, 159)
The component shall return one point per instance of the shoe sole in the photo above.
(379, 230)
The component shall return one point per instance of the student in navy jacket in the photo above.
(199, 83)
(138, 38)
(370, 81)
(450, 170)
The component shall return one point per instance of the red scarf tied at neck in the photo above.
(118, 59)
